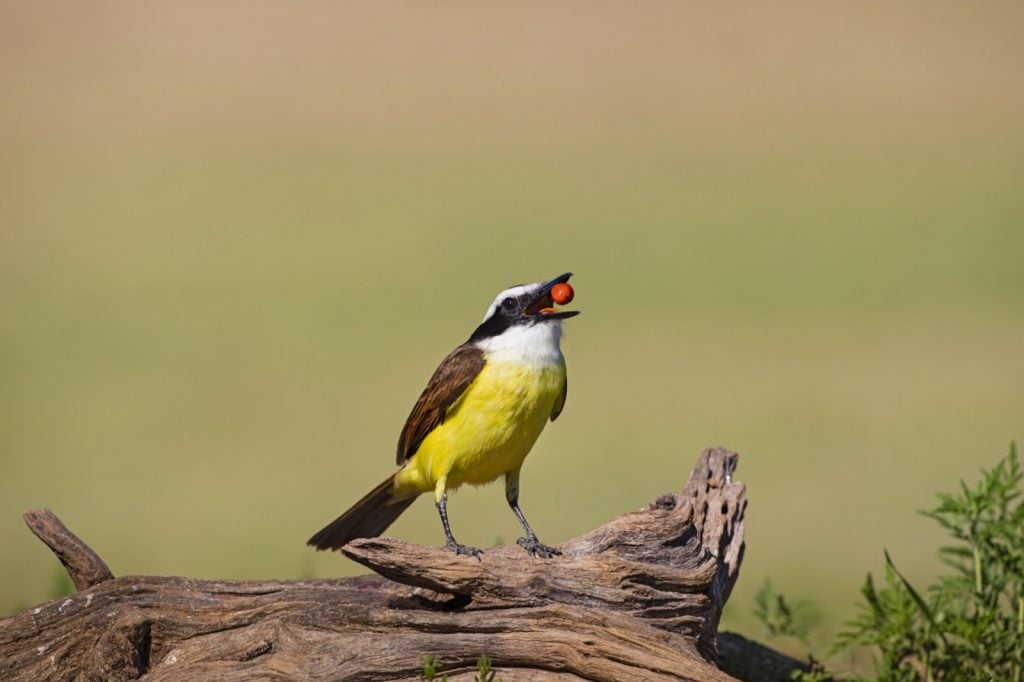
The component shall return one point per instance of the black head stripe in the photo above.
(508, 312)
(492, 326)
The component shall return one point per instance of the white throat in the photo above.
(534, 345)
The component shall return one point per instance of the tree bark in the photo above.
(639, 598)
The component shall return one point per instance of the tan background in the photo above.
(236, 240)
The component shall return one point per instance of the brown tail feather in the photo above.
(368, 518)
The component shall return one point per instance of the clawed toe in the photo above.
(535, 548)
(464, 550)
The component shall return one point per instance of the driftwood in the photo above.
(637, 599)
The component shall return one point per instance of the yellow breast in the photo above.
(490, 429)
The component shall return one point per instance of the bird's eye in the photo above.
(509, 303)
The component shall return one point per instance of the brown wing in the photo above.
(450, 380)
(560, 400)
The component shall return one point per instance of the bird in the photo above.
(477, 419)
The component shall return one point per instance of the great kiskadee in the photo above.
(477, 419)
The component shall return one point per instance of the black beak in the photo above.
(542, 305)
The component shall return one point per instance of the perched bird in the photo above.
(477, 419)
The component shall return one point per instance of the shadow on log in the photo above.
(639, 598)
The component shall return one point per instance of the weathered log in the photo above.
(637, 599)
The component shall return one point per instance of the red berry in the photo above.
(562, 293)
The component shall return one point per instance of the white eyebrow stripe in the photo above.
(512, 291)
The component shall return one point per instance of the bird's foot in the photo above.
(464, 550)
(532, 545)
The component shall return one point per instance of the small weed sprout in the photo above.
(484, 672)
(780, 616)
(483, 669)
(429, 672)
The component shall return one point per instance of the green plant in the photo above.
(483, 668)
(817, 672)
(780, 616)
(429, 671)
(969, 625)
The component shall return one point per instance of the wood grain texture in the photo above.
(84, 566)
(637, 599)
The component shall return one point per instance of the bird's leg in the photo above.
(441, 500)
(530, 543)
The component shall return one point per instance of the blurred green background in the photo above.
(235, 241)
